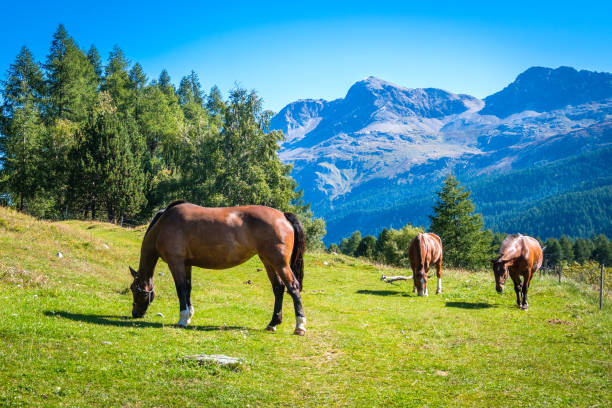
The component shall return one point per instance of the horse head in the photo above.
(143, 294)
(500, 270)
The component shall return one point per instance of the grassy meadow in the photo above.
(67, 339)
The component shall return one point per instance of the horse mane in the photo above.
(161, 212)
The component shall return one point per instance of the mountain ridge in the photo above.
(403, 140)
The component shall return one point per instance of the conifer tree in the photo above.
(71, 80)
(582, 250)
(465, 243)
(553, 253)
(117, 82)
(96, 62)
(567, 248)
(22, 130)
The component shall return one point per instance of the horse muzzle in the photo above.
(137, 315)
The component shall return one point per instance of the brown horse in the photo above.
(186, 235)
(425, 249)
(519, 255)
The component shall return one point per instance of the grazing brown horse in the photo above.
(519, 255)
(425, 249)
(186, 235)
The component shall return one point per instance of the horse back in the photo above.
(221, 237)
(425, 248)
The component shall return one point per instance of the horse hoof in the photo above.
(438, 292)
(299, 332)
(271, 329)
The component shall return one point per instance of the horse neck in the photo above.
(148, 258)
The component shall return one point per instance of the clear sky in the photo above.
(317, 49)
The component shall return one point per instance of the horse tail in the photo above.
(161, 212)
(299, 247)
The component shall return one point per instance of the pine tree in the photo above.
(465, 243)
(582, 250)
(22, 130)
(567, 248)
(366, 247)
(553, 253)
(108, 162)
(351, 244)
(190, 90)
(117, 82)
(96, 62)
(137, 77)
(71, 80)
(602, 251)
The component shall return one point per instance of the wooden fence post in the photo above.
(601, 286)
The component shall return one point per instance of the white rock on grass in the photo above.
(220, 359)
(60, 255)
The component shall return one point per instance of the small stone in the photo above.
(105, 246)
(107, 343)
(160, 314)
(60, 255)
(249, 282)
(161, 274)
(220, 359)
(325, 263)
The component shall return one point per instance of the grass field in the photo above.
(66, 339)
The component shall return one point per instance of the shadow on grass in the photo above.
(382, 292)
(125, 321)
(470, 305)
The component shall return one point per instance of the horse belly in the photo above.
(219, 258)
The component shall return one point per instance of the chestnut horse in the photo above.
(425, 249)
(186, 235)
(519, 255)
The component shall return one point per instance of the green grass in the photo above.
(66, 339)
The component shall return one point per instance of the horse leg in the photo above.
(180, 281)
(527, 281)
(517, 289)
(279, 290)
(424, 279)
(188, 285)
(439, 275)
(293, 287)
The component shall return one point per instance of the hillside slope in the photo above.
(66, 338)
(383, 141)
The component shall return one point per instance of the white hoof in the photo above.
(184, 318)
(191, 311)
(271, 328)
(300, 326)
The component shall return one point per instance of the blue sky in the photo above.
(317, 49)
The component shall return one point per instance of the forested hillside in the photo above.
(80, 138)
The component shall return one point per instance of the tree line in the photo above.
(466, 244)
(83, 139)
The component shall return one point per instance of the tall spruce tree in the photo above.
(108, 162)
(71, 80)
(553, 252)
(117, 82)
(465, 243)
(22, 130)
(93, 56)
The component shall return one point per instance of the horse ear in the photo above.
(133, 272)
(492, 260)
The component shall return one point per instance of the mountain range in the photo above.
(536, 154)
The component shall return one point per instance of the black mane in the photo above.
(161, 212)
